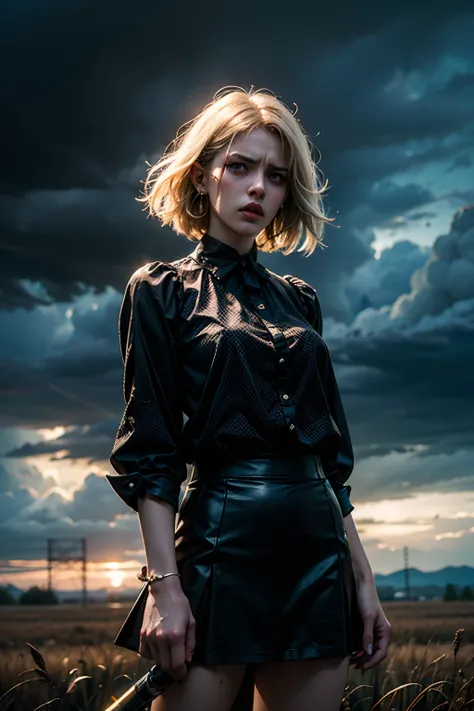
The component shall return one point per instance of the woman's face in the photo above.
(253, 171)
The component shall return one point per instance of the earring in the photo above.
(202, 207)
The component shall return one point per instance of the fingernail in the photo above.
(369, 649)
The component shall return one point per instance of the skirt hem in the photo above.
(289, 655)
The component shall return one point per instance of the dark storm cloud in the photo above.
(92, 351)
(411, 387)
(78, 238)
(461, 196)
(85, 123)
(27, 520)
(91, 443)
(381, 281)
(447, 277)
(462, 161)
(406, 369)
(423, 215)
(95, 500)
(27, 540)
(73, 115)
(23, 477)
(36, 399)
(388, 200)
(400, 477)
(32, 509)
(61, 366)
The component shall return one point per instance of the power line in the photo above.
(68, 552)
(407, 573)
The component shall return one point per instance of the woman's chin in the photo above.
(243, 228)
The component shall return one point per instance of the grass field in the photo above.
(76, 641)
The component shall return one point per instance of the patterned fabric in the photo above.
(223, 360)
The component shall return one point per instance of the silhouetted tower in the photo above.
(407, 573)
(67, 552)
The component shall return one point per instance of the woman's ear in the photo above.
(198, 176)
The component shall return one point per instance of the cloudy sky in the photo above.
(92, 92)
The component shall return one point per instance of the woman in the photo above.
(265, 560)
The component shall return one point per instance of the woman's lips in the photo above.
(249, 213)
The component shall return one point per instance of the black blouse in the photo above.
(223, 359)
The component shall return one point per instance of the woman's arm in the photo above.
(376, 626)
(157, 523)
(147, 455)
(360, 563)
(168, 631)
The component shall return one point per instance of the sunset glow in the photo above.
(116, 578)
(115, 574)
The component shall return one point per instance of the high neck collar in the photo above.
(221, 250)
(221, 258)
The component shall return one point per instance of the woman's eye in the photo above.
(279, 177)
(235, 165)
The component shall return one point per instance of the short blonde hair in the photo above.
(169, 192)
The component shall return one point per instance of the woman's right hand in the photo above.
(167, 636)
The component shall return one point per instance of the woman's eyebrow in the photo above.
(254, 160)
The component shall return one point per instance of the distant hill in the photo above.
(423, 584)
(457, 575)
(100, 595)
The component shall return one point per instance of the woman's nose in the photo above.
(258, 185)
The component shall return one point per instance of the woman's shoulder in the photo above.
(306, 289)
(155, 273)
(157, 282)
(308, 296)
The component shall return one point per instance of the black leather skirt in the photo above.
(265, 563)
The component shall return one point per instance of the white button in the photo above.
(285, 397)
(292, 427)
(261, 306)
(131, 485)
(282, 360)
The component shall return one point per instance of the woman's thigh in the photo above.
(304, 685)
(204, 688)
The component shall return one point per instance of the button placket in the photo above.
(283, 383)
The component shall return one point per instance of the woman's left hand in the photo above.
(376, 627)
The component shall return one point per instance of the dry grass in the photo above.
(422, 672)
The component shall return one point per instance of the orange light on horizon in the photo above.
(116, 578)
(114, 574)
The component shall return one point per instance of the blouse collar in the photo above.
(221, 258)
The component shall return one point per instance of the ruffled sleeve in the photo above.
(146, 454)
(339, 465)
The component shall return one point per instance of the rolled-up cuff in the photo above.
(130, 487)
(343, 496)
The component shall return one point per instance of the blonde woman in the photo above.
(263, 567)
